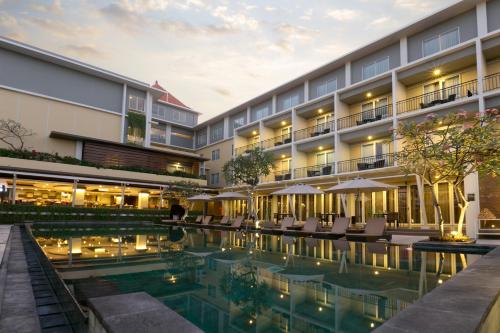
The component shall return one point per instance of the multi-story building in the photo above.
(328, 125)
(334, 122)
(92, 122)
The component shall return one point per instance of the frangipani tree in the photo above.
(450, 148)
(247, 169)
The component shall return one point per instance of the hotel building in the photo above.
(328, 125)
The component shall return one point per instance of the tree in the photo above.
(247, 169)
(14, 134)
(450, 148)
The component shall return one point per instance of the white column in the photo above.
(149, 110)
(306, 90)
(143, 200)
(348, 74)
(168, 134)
(274, 107)
(79, 149)
(423, 214)
(14, 189)
(226, 128)
(471, 188)
(403, 50)
(249, 114)
(482, 19)
(124, 114)
(141, 242)
(73, 196)
(122, 199)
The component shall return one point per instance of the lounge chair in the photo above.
(338, 229)
(199, 218)
(224, 220)
(237, 222)
(310, 227)
(374, 230)
(376, 248)
(207, 219)
(287, 222)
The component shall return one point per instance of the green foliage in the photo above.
(25, 213)
(55, 158)
(246, 169)
(243, 289)
(137, 123)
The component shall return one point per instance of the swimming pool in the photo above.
(225, 281)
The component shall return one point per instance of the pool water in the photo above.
(248, 282)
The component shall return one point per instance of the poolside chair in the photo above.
(310, 227)
(237, 222)
(224, 220)
(199, 219)
(338, 229)
(374, 230)
(287, 222)
(207, 219)
(377, 248)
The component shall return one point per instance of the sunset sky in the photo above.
(212, 55)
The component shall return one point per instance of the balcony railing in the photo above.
(313, 131)
(246, 149)
(278, 176)
(365, 117)
(492, 82)
(277, 141)
(366, 163)
(441, 96)
(158, 138)
(315, 171)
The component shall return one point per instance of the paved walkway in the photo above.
(17, 303)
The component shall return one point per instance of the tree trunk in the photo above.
(436, 205)
(463, 204)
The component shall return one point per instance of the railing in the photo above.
(313, 131)
(278, 176)
(277, 141)
(246, 149)
(491, 82)
(158, 138)
(315, 171)
(366, 163)
(441, 96)
(365, 117)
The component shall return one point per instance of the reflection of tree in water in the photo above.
(240, 286)
(181, 265)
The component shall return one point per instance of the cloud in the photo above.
(380, 20)
(237, 21)
(270, 8)
(54, 8)
(187, 28)
(9, 26)
(124, 16)
(342, 14)
(142, 6)
(295, 32)
(62, 29)
(307, 15)
(420, 5)
(84, 51)
(222, 91)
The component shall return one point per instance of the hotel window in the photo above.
(375, 108)
(375, 68)
(136, 103)
(260, 112)
(440, 42)
(215, 155)
(326, 87)
(290, 101)
(324, 158)
(217, 132)
(374, 149)
(285, 165)
(201, 138)
(214, 179)
(158, 133)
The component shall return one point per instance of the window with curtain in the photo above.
(326, 87)
(375, 68)
(440, 42)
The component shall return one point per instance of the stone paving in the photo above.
(18, 307)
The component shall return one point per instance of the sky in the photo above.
(213, 55)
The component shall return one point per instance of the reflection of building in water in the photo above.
(314, 285)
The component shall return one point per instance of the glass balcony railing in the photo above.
(441, 96)
(365, 117)
(314, 131)
(315, 171)
(277, 141)
(491, 82)
(366, 163)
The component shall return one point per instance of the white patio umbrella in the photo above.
(229, 196)
(359, 185)
(297, 189)
(202, 198)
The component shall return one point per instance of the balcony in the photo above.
(365, 117)
(246, 149)
(314, 131)
(277, 141)
(438, 97)
(492, 82)
(366, 163)
(278, 176)
(315, 171)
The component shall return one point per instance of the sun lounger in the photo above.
(224, 220)
(374, 230)
(287, 222)
(377, 248)
(338, 229)
(207, 219)
(199, 218)
(310, 227)
(237, 222)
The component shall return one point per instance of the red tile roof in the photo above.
(168, 97)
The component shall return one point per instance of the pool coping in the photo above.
(462, 304)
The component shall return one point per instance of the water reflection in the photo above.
(234, 281)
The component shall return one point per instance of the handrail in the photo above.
(440, 96)
(247, 148)
(315, 170)
(491, 82)
(367, 163)
(277, 141)
(315, 130)
(278, 176)
(365, 117)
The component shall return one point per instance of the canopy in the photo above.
(201, 197)
(298, 189)
(360, 185)
(230, 196)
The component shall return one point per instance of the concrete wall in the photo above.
(391, 51)
(28, 74)
(493, 67)
(465, 22)
(43, 115)
(225, 148)
(493, 15)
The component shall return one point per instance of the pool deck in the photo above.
(470, 302)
